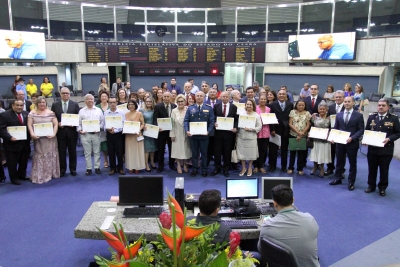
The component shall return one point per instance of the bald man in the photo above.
(23, 49)
(332, 50)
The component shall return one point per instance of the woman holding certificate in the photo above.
(150, 144)
(104, 95)
(43, 126)
(299, 123)
(247, 138)
(262, 136)
(134, 145)
(321, 151)
(180, 142)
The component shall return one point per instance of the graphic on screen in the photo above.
(333, 46)
(245, 188)
(22, 45)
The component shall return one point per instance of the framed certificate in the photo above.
(151, 131)
(338, 136)
(69, 119)
(113, 122)
(373, 138)
(333, 119)
(198, 128)
(123, 107)
(90, 126)
(165, 124)
(319, 133)
(131, 127)
(18, 132)
(247, 122)
(240, 107)
(225, 123)
(269, 118)
(43, 129)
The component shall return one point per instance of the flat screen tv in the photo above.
(18, 45)
(141, 190)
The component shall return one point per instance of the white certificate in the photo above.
(240, 107)
(18, 132)
(151, 131)
(90, 126)
(113, 122)
(269, 118)
(247, 122)
(373, 138)
(43, 129)
(338, 136)
(69, 119)
(165, 124)
(197, 128)
(131, 127)
(123, 107)
(319, 133)
(333, 119)
(275, 139)
(224, 123)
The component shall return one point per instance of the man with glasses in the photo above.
(115, 139)
(332, 50)
(67, 136)
(174, 86)
(313, 100)
(27, 104)
(23, 49)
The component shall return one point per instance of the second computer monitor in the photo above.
(141, 190)
(270, 182)
(242, 189)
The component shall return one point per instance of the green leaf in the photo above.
(137, 264)
(220, 260)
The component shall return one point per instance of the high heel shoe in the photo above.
(249, 172)
(148, 170)
(154, 167)
(242, 172)
(185, 169)
(313, 171)
(136, 171)
(301, 173)
(130, 171)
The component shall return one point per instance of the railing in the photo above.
(92, 22)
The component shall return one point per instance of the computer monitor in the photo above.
(242, 189)
(270, 182)
(141, 190)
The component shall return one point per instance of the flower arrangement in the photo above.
(181, 244)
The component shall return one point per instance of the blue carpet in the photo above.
(37, 221)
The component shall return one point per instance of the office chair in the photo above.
(276, 254)
(374, 97)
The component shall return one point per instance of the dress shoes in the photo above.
(97, 171)
(271, 169)
(122, 172)
(204, 174)
(336, 181)
(328, 172)
(111, 172)
(351, 186)
(62, 174)
(160, 170)
(226, 173)
(215, 172)
(2, 179)
(194, 172)
(382, 193)
(26, 178)
(74, 173)
(369, 190)
(284, 170)
(88, 172)
(16, 182)
(172, 168)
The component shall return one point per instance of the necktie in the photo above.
(20, 119)
(65, 107)
(337, 109)
(199, 108)
(380, 118)
(212, 104)
(282, 107)
(312, 102)
(167, 108)
(224, 110)
(346, 120)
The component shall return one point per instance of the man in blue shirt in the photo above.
(332, 50)
(22, 49)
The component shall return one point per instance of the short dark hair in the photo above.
(298, 101)
(209, 201)
(134, 103)
(282, 195)
(104, 92)
(249, 88)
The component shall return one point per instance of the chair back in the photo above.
(374, 97)
(276, 254)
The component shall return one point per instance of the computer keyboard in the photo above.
(142, 212)
(241, 224)
(266, 210)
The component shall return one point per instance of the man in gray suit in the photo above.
(117, 85)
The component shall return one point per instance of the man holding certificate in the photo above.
(163, 110)
(353, 122)
(199, 118)
(91, 120)
(114, 118)
(67, 135)
(17, 150)
(225, 133)
(379, 156)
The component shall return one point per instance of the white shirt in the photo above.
(90, 114)
(195, 89)
(339, 108)
(117, 112)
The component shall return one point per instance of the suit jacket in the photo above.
(244, 100)
(208, 102)
(7, 119)
(66, 131)
(193, 114)
(176, 87)
(332, 109)
(355, 126)
(308, 104)
(218, 112)
(114, 88)
(283, 117)
(161, 112)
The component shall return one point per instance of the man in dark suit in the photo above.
(199, 112)
(17, 151)
(313, 100)
(333, 110)
(353, 122)
(212, 101)
(174, 86)
(382, 121)
(223, 139)
(163, 110)
(249, 95)
(27, 103)
(281, 108)
(67, 136)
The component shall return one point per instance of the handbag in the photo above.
(310, 143)
(366, 102)
(234, 157)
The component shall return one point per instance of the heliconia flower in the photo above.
(169, 240)
(173, 204)
(133, 248)
(166, 220)
(121, 233)
(113, 241)
(192, 231)
(115, 264)
(234, 241)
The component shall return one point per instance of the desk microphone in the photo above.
(179, 191)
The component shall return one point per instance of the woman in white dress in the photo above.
(180, 143)
(247, 148)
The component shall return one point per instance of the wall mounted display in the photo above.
(18, 45)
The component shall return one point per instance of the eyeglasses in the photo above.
(65, 93)
(321, 42)
(180, 101)
(313, 88)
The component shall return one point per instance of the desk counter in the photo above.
(133, 227)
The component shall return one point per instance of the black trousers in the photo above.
(2, 174)
(64, 144)
(383, 162)
(262, 144)
(223, 146)
(163, 138)
(331, 166)
(341, 152)
(115, 147)
(199, 144)
(210, 149)
(301, 158)
(274, 153)
(17, 162)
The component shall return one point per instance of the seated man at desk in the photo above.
(297, 230)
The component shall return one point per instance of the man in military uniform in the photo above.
(199, 112)
(382, 121)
